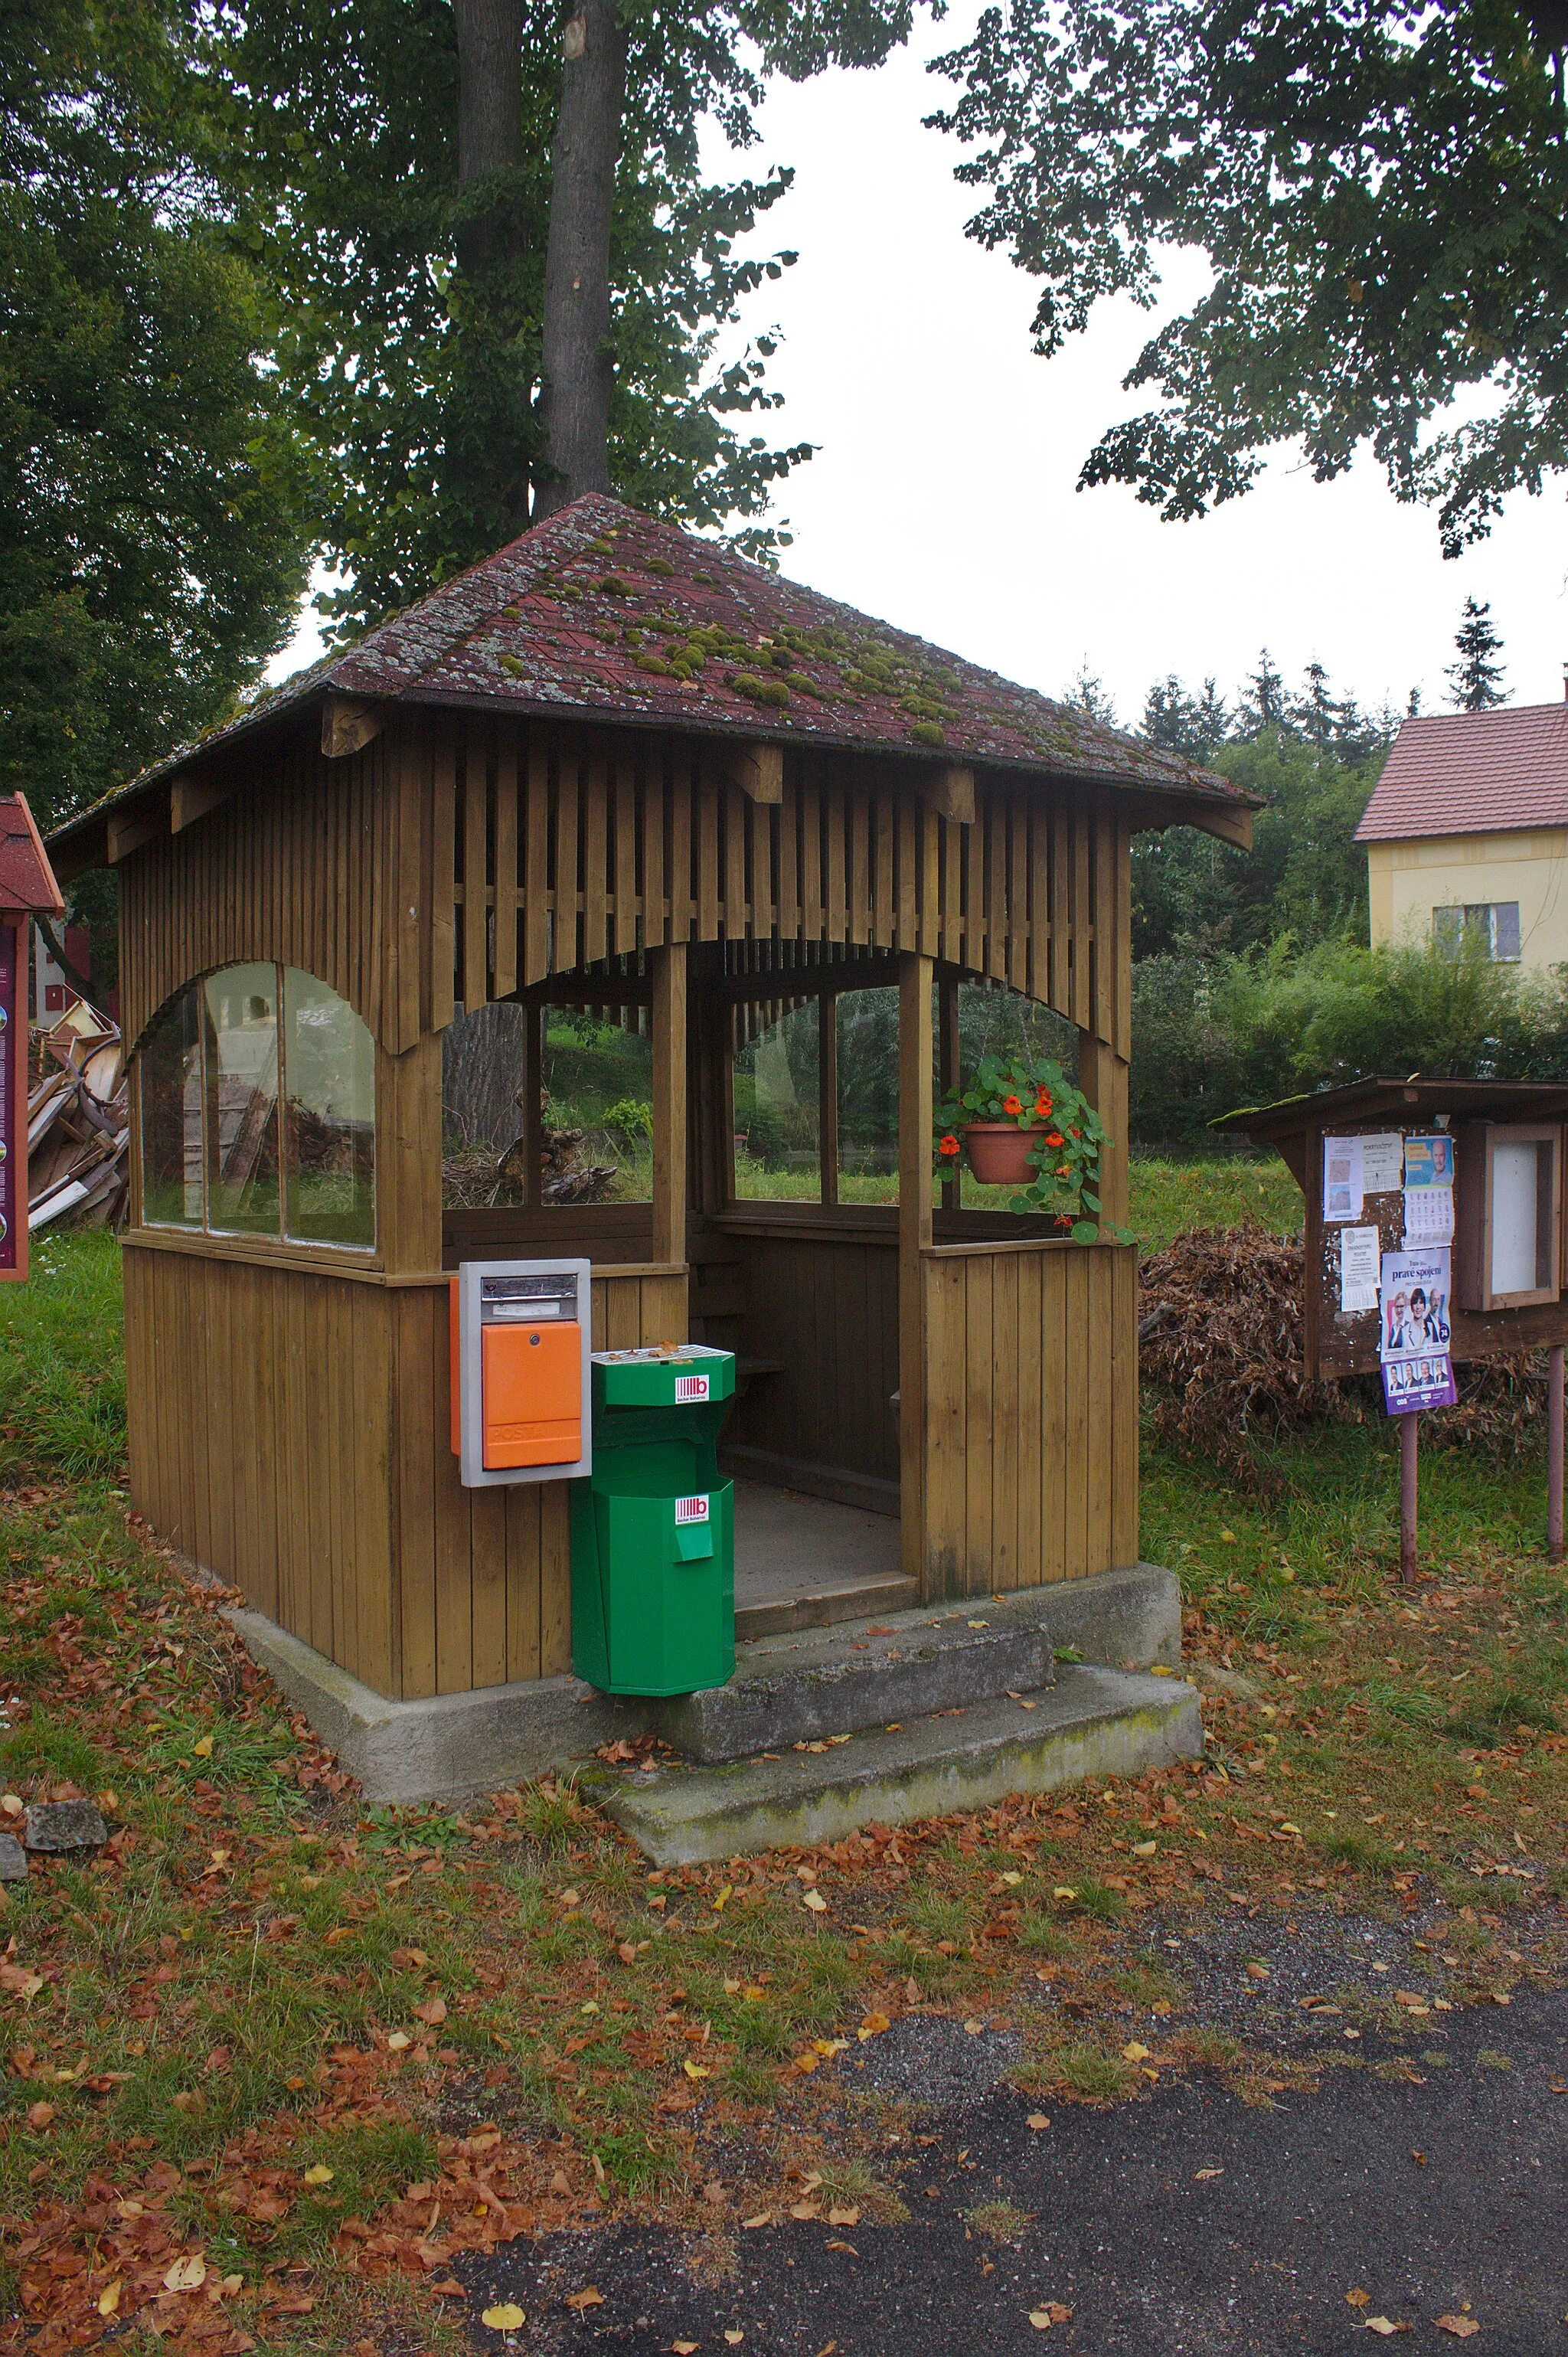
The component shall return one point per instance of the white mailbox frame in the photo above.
(471, 1274)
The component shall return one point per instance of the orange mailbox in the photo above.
(520, 1334)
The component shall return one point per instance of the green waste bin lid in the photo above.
(668, 1374)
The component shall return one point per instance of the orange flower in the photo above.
(1065, 1172)
(1054, 1138)
(1012, 1105)
(949, 1145)
(1043, 1102)
(1078, 1133)
(1063, 1220)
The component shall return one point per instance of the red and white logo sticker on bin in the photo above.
(691, 1387)
(692, 1510)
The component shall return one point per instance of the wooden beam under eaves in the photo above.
(190, 799)
(348, 724)
(1231, 825)
(126, 834)
(949, 791)
(757, 770)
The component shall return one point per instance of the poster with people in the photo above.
(1414, 1333)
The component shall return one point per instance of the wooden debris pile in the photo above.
(78, 1133)
(1219, 1335)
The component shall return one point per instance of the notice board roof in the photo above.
(1405, 1103)
(27, 879)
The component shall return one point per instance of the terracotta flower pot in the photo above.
(999, 1152)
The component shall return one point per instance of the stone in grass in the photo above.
(13, 1860)
(64, 1824)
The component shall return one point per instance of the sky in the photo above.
(942, 495)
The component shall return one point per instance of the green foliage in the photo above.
(1380, 192)
(152, 532)
(1475, 681)
(1211, 1035)
(1034, 1091)
(409, 314)
(62, 1374)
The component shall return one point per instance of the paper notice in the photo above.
(1359, 1269)
(1414, 1302)
(1383, 1163)
(1341, 1178)
(1428, 1215)
(1428, 1161)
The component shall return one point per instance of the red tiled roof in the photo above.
(27, 879)
(1472, 773)
(604, 611)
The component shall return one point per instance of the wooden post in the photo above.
(532, 1108)
(916, 1192)
(947, 1056)
(1554, 1455)
(408, 1157)
(669, 1103)
(1102, 1076)
(1408, 1441)
(828, 1093)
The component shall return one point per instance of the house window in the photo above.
(258, 1111)
(1482, 928)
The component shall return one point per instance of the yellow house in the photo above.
(1466, 835)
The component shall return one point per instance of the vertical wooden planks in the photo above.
(1123, 1408)
(1077, 1387)
(1030, 1472)
(555, 1579)
(534, 827)
(915, 977)
(981, 1413)
(508, 894)
(947, 1428)
(1101, 1436)
(522, 1568)
(669, 1112)
(596, 856)
(422, 1406)
(563, 932)
(1009, 1444)
(476, 866)
(623, 810)
(488, 1575)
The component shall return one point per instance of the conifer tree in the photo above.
(1475, 681)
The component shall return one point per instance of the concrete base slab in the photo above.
(1091, 1722)
(452, 1745)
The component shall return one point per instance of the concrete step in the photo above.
(812, 1686)
(1090, 1722)
(823, 1608)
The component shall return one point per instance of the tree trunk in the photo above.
(577, 367)
(490, 124)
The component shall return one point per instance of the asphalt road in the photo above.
(1185, 2224)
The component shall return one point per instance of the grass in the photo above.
(261, 1977)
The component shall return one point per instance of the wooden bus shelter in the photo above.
(616, 766)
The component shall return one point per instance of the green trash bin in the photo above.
(653, 1526)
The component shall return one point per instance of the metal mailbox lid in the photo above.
(685, 1374)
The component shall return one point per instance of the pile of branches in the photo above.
(1219, 1333)
(1219, 1330)
(473, 1177)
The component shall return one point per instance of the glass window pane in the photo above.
(240, 1015)
(1447, 932)
(1516, 1177)
(170, 1085)
(484, 1081)
(329, 1070)
(598, 1105)
(778, 1110)
(868, 1096)
(1505, 935)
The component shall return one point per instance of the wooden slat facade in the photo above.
(289, 1429)
(458, 858)
(288, 1408)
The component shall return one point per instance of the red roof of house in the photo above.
(1473, 773)
(27, 879)
(602, 610)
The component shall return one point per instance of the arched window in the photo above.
(258, 1092)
